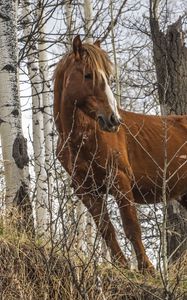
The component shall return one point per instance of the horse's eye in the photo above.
(88, 76)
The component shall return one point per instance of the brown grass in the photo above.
(34, 270)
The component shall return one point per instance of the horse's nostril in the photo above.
(114, 121)
(108, 124)
(101, 121)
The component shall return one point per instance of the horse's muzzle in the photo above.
(110, 124)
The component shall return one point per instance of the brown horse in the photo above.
(108, 150)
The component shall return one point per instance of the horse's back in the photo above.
(155, 143)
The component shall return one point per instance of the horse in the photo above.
(106, 149)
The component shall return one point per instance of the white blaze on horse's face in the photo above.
(111, 99)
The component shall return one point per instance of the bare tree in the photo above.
(170, 57)
(14, 145)
(38, 122)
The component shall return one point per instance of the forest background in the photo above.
(146, 41)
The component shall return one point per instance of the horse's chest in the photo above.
(82, 145)
(94, 155)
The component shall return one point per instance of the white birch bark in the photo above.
(69, 23)
(37, 124)
(47, 107)
(118, 90)
(10, 106)
(88, 20)
(14, 148)
(80, 225)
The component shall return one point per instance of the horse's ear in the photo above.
(77, 47)
(98, 43)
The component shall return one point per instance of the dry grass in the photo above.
(32, 270)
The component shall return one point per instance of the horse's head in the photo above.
(86, 74)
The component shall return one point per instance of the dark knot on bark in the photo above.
(19, 152)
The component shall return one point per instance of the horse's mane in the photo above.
(97, 60)
(94, 57)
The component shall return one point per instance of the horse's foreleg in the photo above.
(98, 210)
(124, 197)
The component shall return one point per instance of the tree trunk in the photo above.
(88, 20)
(37, 125)
(14, 145)
(118, 90)
(170, 57)
(69, 23)
(47, 108)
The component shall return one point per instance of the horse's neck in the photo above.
(68, 113)
(77, 125)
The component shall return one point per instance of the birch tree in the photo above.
(14, 145)
(118, 91)
(88, 20)
(88, 23)
(69, 23)
(37, 120)
(47, 106)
